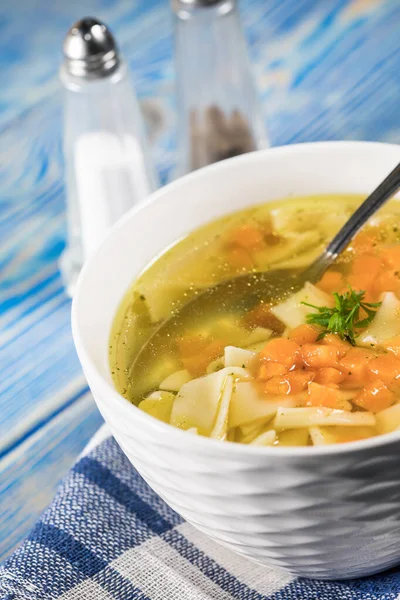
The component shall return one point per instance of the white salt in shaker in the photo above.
(108, 167)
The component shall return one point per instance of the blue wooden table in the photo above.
(325, 70)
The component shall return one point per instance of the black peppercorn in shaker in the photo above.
(219, 113)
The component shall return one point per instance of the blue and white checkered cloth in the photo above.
(108, 536)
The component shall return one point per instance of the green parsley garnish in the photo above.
(344, 318)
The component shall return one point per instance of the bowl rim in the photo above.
(165, 429)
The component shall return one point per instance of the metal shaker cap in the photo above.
(183, 8)
(177, 4)
(90, 50)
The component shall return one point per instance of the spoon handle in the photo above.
(379, 196)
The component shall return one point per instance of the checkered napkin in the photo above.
(107, 535)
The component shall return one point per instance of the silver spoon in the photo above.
(375, 200)
(243, 292)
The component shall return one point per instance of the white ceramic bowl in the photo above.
(326, 512)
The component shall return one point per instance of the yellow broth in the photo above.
(144, 351)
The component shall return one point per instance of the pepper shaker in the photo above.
(219, 114)
(107, 163)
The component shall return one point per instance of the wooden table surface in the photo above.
(325, 70)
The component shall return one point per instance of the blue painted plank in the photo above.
(30, 474)
(321, 74)
(325, 70)
(311, 39)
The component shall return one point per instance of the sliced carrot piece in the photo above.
(363, 282)
(331, 281)
(385, 367)
(240, 258)
(192, 345)
(366, 264)
(299, 380)
(271, 369)
(303, 334)
(317, 356)
(354, 366)
(393, 346)
(329, 375)
(289, 383)
(394, 386)
(331, 339)
(366, 241)
(281, 350)
(261, 316)
(277, 385)
(388, 281)
(197, 364)
(249, 237)
(364, 271)
(375, 396)
(391, 256)
(322, 395)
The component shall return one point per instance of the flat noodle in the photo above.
(292, 312)
(248, 404)
(237, 357)
(293, 437)
(215, 365)
(386, 324)
(230, 436)
(322, 436)
(252, 427)
(292, 418)
(221, 424)
(197, 402)
(249, 432)
(317, 436)
(257, 336)
(310, 216)
(228, 328)
(303, 259)
(157, 371)
(388, 420)
(264, 439)
(159, 405)
(292, 245)
(174, 382)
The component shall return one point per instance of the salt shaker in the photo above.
(108, 167)
(219, 114)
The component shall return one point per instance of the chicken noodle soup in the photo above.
(321, 366)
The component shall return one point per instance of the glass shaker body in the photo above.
(107, 165)
(219, 113)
